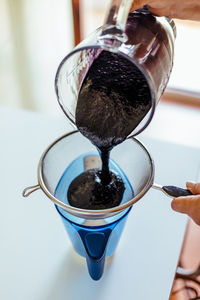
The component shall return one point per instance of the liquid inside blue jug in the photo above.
(76, 168)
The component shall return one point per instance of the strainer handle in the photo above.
(30, 189)
(172, 191)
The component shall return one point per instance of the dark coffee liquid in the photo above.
(87, 191)
(113, 100)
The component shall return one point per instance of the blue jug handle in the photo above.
(95, 244)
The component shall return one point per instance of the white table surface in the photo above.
(37, 261)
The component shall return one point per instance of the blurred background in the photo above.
(36, 35)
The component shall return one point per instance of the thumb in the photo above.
(189, 205)
(193, 187)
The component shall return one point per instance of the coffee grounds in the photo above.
(113, 100)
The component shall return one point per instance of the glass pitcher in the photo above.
(144, 40)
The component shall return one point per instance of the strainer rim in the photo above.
(95, 213)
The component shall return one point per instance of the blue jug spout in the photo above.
(95, 244)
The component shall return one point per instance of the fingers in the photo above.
(189, 205)
(186, 10)
(183, 204)
(193, 187)
(159, 12)
(138, 4)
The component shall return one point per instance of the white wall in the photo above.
(36, 36)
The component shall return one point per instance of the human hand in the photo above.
(189, 205)
(180, 9)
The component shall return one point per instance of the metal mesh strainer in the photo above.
(131, 157)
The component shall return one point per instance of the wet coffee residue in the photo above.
(87, 191)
